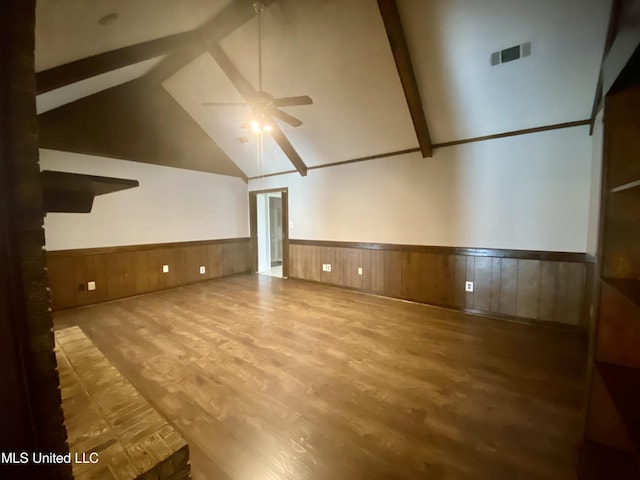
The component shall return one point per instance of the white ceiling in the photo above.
(203, 81)
(359, 107)
(337, 52)
(451, 42)
(68, 30)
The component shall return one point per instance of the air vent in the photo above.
(510, 54)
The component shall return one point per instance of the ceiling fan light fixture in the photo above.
(257, 127)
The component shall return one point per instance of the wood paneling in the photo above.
(131, 270)
(528, 288)
(138, 121)
(459, 277)
(508, 286)
(482, 283)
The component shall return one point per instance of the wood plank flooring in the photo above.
(275, 379)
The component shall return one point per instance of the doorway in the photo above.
(269, 232)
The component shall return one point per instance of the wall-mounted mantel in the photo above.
(74, 192)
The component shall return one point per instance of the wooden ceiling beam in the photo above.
(84, 68)
(397, 41)
(231, 17)
(181, 47)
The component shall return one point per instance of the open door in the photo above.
(269, 225)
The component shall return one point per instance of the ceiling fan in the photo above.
(263, 105)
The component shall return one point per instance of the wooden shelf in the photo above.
(627, 287)
(597, 462)
(626, 186)
(74, 192)
(623, 385)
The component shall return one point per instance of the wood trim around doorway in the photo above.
(253, 227)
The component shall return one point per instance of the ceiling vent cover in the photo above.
(510, 54)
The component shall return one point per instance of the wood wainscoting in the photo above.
(135, 269)
(514, 284)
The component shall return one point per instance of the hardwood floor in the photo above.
(282, 379)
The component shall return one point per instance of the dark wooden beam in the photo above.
(229, 19)
(182, 47)
(397, 41)
(248, 92)
(612, 29)
(284, 143)
(84, 68)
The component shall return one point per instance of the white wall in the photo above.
(170, 205)
(526, 192)
(596, 176)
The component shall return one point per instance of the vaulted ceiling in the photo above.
(336, 51)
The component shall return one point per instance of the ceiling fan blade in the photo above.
(288, 149)
(292, 101)
(242, 84)
(224, 104)
(285, 117)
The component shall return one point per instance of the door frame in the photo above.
(253, 227)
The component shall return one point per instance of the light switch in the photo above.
(165, 268)
(202, 270)
(91, 285)
(359, 270)
(328, 267)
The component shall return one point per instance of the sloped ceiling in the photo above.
(68, 30)
(338, 53)
(335, 52)
(135, 121)
(464, 96)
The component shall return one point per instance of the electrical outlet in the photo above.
(165, 268)
(91, 286)
(202, 270)
(328, 267)
(359, 270)
(468, 286)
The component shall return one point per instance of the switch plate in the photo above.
(165, 268)
(328, 267)
(202, 270)
(468, 286)
(359, 270)
(91, 285)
